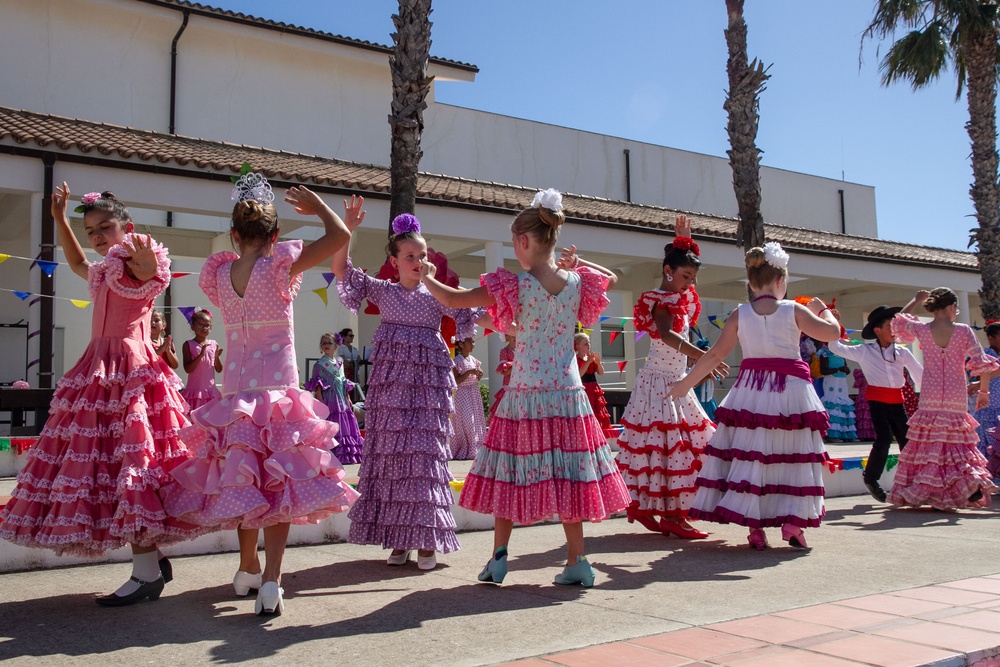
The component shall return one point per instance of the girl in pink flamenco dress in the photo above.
(263, 449)
(504, 367)
(202, 360)
(545, 453)
(111, 439)
(941, 465)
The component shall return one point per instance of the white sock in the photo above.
(145, 567)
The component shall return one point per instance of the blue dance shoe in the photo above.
(581, 573)
(496, 569)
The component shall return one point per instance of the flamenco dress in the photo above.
(764, 465)
(200, 388)
(404, 477)
(941, 465)
(469, 421)
(545, 454)
(662, 439)
(111, 440)
(836, 399)
(506, 363)
(263, 448)
(329, 379)
(595, 395)
(862, 411)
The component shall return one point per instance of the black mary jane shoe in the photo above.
(166, 570)
(147, 589)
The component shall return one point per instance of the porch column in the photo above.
(963, 306)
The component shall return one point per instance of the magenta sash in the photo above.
(756, 372)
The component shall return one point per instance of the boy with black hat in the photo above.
(882, 363)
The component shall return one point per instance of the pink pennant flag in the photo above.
(614, 334)
(487, 332)
(179, 274)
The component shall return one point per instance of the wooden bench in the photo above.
(18, 402)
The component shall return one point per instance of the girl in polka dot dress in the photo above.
(941, 465)
(263, 458)
(404, 477)
(545, 453)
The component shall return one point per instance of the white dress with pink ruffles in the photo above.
(941, 465)
(111, 438)
(263, 448)
(764, 465)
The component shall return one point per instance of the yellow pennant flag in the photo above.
(321, 293)
(3, 258)
(79, 303)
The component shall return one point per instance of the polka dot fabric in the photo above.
(405, 496)
(263, 447)
(545, 453)
(941, 465)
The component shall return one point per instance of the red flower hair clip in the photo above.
(686, 243)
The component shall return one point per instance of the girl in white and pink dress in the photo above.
(764, 465)
(92, 481)
(941, 465)
(263, 456)
(469, 421)
(545, 453)
(202, 360)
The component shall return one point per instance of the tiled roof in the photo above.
(69, 136)
(229, 15)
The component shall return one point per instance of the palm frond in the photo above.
(919, 57)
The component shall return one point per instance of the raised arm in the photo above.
(569, 260)
(917, 299)
(711, 359)
(337, 232)
(451, 297)
(816, 320)
(71, 247)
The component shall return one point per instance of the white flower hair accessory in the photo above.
(775, 255)
(550, 199)
(251, 186)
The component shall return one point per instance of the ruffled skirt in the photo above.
(199, 396)
(92, 480)
(262, 459)
(350, 444)
(941, 465)
(661, 446)
(839, 408)
(545, 455)
(599, 405)
(764, 465)
(404, 477)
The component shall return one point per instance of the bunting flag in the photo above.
(79, 303)
(621, 366)
(47, 267)
(3, 257)
(321, 293)
(187, 312)
(604, 317)
(21, 295)
(614, 334)
(638, 335)
(328, 277)
(714, 319)
(179, 274)
(588, 331)
(624, 322)
(487, 332)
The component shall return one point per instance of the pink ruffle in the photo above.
(979, 363)
(593, 295)
(681, 306)
(111, 269)
(571, 501)
(285, 254)
(903, 328)
(957, 428)
(743, 486)
(503, 286)
(942, 475)
(813, 420)
(208, 280)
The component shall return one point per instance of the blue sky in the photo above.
(654, 71)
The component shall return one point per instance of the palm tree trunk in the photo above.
(410, 85)
(746, 82)
(981, 59)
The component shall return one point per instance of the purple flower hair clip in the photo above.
(404, 222)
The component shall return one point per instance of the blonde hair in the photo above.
(579, 338)
(761, 273)
(541, 223)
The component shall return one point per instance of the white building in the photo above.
(111, 108)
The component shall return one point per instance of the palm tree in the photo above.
(962, 34)
(410, 85)
(746, 82)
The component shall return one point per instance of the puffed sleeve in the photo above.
(112, 270)
(208, 280)
(503, 286)
(285, 254)
(904, 327)
(465, 321)
(978, 361)
(593, 295)
(316, 381)
(358, 286)
(676, 303)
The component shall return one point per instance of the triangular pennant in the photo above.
(47, 267)
(714, 319)
(588, 331)
(605, 317)
(79, 303)
(638, 335)
(3, 258)
(328, 277)
(614, 334)
(321, 293)
(624, 322)
(179, 274)
(187, 312)
(621, 366)
(487, 332)
(22, 295)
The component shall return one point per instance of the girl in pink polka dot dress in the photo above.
(941, 465)
(202, 360)
(404, 477)
(263, 449)
(545, 453)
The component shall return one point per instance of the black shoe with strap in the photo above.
(874, 488)
(147, 589)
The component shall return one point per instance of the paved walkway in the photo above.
(660, 599)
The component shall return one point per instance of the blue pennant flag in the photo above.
(48, 267)
(22, 295)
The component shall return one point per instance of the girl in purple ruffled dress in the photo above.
(404, 477)
(333, 389)
(763, 466)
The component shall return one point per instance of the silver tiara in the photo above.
(254, 187)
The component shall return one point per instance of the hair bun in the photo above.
(110, 196)
(553, 219)
(754, 258)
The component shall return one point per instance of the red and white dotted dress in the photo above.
(941, 465)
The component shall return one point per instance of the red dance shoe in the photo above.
(648, 522)
(685, 532)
